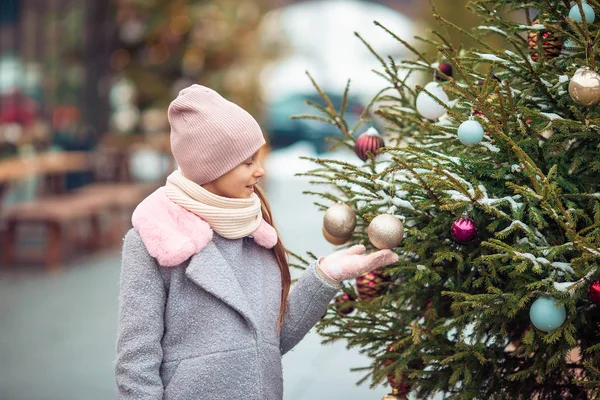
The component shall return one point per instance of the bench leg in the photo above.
(8, 243)
(53, 254)
(95, 236)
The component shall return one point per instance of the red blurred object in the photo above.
(370, 141)
(464, 229)
(17, 109)
(65, 116)
(594, 292)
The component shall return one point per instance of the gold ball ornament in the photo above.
(391, 396)
(335, 240)
(385, 231)
(584, 86)
(340, 220)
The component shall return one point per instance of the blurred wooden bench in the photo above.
(91, 205)
(56, 214)
(119, 199)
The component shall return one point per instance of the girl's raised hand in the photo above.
(353, 262)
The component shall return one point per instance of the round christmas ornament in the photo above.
(470, 132)
(369, 285)
(551, 43)
(546, 315)
(399, 390)
(569, 47)
(338, 241)
(385, 231)
(446, 69)
(588, 13)
(370, 141)
(340, 220)
(464, 229)
(396, 395)
(342, 303)
(584, 86)
(427, 106)
(594, 292)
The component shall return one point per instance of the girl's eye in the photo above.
(249, 163)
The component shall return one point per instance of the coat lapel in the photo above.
(209, 270)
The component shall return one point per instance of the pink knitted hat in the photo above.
(210, 135)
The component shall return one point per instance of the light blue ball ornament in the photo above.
(569, 47)
(470, 132)
(545, 315)
(588, 11)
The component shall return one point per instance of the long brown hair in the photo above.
(280, 255)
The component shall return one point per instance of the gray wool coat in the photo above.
(205, 329)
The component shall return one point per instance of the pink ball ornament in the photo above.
(370, 141)
(464, 229)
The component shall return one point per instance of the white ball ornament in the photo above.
(427, 106)
(470, 132)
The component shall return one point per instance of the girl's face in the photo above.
(239, 182)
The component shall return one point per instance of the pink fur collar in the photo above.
(173, 234)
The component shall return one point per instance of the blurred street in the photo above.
(58, 332)
(84, 137)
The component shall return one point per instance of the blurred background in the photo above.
(84, 137)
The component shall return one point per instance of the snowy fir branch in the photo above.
(456, 318)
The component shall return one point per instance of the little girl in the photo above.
(206, 310)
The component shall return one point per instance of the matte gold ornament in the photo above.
(340, 220)
(385, 231)
(584, 86)
(335, 240)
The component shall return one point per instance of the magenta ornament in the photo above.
(594, 292)
(464, 229)
(446, 68)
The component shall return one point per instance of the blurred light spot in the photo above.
(193, 61)
(119, 59)
(158, 54)
(180, 25)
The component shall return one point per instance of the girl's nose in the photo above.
(260, 172)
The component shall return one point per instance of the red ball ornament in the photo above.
(370, 141)
(399, 389)
(464, 229)
(552, 42)
(341, 303)
(594, 292)
(369, 285)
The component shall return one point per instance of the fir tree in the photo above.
(454, 318)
